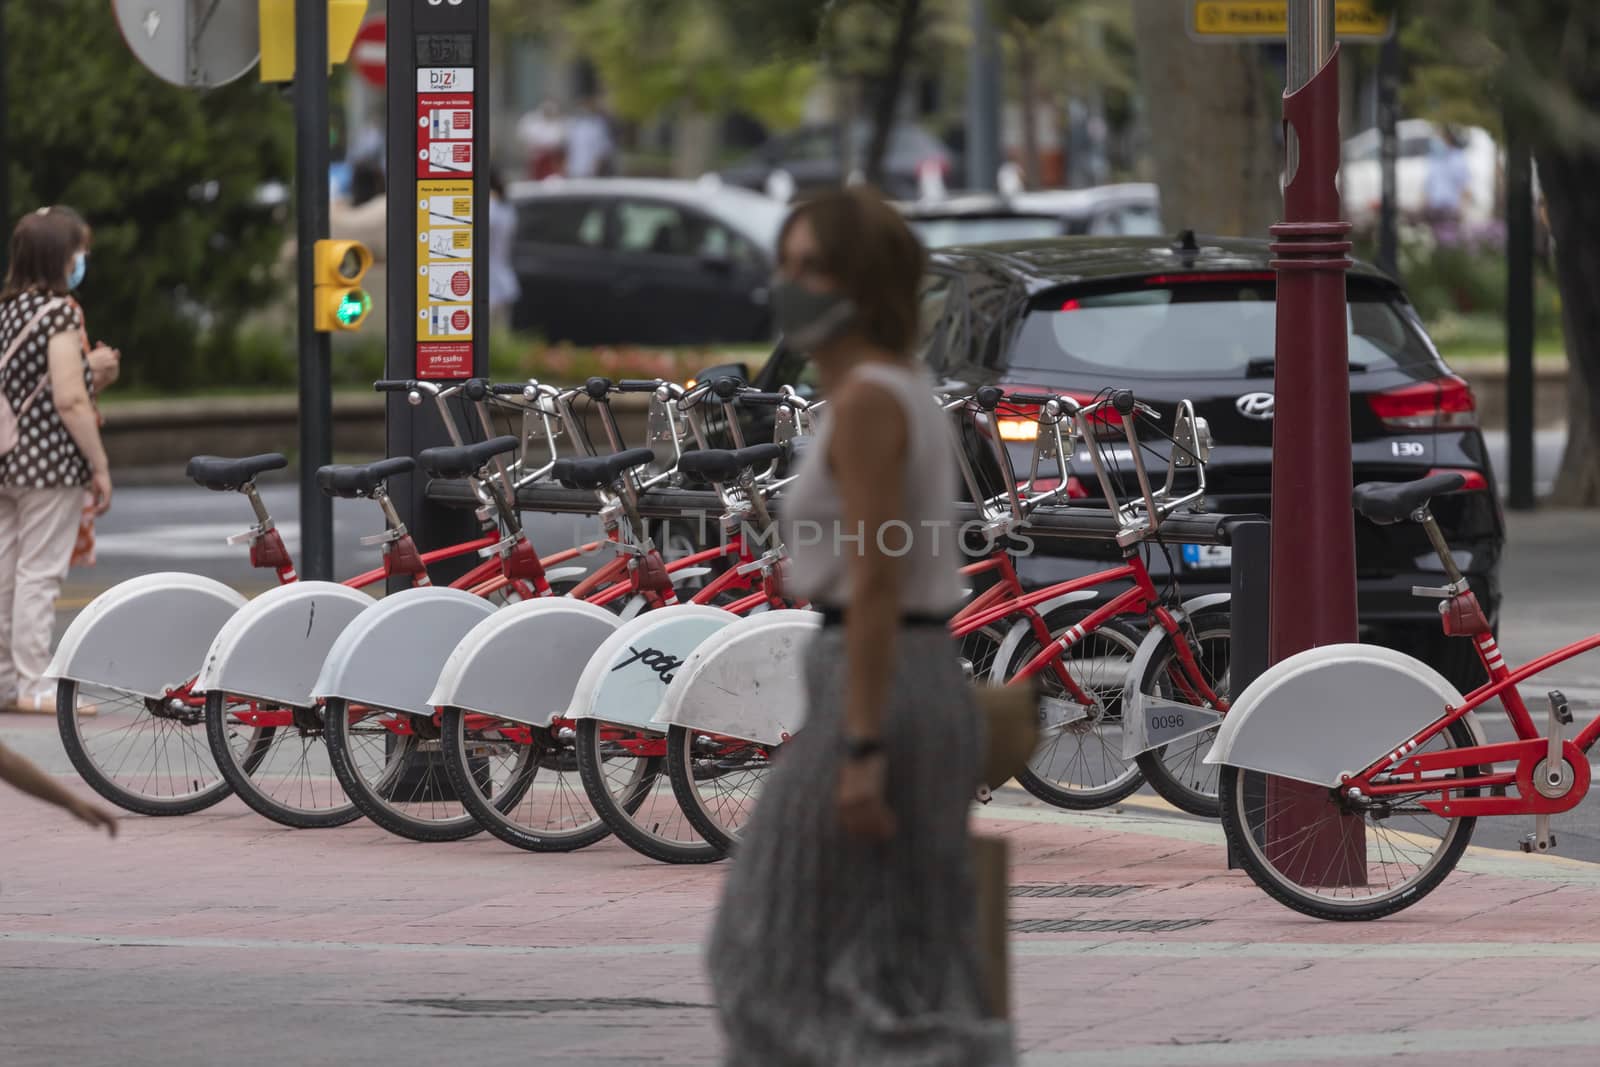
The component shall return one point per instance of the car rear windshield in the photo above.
(1180, 329)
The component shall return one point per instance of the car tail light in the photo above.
(1475, 481)
(1440, 404)
(1018, 429)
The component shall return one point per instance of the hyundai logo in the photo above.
(1255, 406)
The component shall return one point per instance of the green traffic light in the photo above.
(353, 306)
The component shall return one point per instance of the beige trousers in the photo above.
(38, 528)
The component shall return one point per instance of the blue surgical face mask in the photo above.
(80, 267)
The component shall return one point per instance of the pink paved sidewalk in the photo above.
(220, 938)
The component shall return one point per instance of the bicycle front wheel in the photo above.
(520, 782)
(148, 755)
(275, 759)
(1339, 862)
(1178, 770)
(1079, 763)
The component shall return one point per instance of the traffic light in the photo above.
(341, 302)
(277, 35)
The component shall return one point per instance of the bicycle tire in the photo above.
(1244, 844)
(112, 784)
(712, 820)
(1177, 771)
(1120, 784)
(243, 773)
(635, 818)
(408, 759)
(578, 831)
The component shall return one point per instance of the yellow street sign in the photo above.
(277, 35)
(1228, 21)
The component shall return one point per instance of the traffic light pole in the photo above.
(1313, 592)
(312, 224)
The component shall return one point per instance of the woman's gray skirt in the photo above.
(829, 951)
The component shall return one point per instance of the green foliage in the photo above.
(654, 55)
(166, 177)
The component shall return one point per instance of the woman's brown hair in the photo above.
(867, 248)
(42, 247)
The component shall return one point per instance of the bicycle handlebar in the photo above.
(638, 385)
(509, 388)
(394, 385)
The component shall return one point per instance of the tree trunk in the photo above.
(1028, 77)
(894, 76)
(1569, 179)
(1214, 117)
(694, 144)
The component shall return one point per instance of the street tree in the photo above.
(1539, 65)
(168, 178)
(1214, 114)
(684, 57)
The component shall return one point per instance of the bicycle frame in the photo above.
(1382, 779)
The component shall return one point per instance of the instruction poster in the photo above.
(444, 134)
(444, 279)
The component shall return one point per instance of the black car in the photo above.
(649, 262)
(1195, 318)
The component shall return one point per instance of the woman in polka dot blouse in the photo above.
(47, 381)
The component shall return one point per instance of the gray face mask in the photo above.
(807, 319)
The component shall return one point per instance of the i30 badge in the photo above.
(1255, 406)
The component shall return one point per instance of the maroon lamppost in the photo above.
(1313, 592)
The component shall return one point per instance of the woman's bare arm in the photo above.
(22, 774)
(77, 413)
(868, 455)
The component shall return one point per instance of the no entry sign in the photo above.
(370, 53)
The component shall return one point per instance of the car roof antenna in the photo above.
(1187, 242)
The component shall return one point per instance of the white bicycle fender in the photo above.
(1331, 711)
(272, 649)
(1021, 630)
(629, 673)
(1151, 721)
(523, 662)
(391, 655)
(744, 680)
(147, 635)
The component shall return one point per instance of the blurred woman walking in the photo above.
(847, 931)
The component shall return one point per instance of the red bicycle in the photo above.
(1353, 775)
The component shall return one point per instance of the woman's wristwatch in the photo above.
(859, 748)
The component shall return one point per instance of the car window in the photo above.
(562, 222)
(941, 233)
(1196, 329)
(669, 230)
(1129, 220)
(810, 144)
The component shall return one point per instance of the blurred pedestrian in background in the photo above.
(504, 288)
(54, 451)
(19, 772)
(105, 366)
(1447, 188)
(590, 151)
(543, 134)
(847, 931)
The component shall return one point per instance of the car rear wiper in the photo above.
(1265, 367)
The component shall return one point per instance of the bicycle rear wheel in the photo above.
(276, 761)
(1178, 770)
(625, 775)
(1387, 856)
(1079, 764)
(392, 766)
(717, 781)
(543, 807)
(148, 755)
